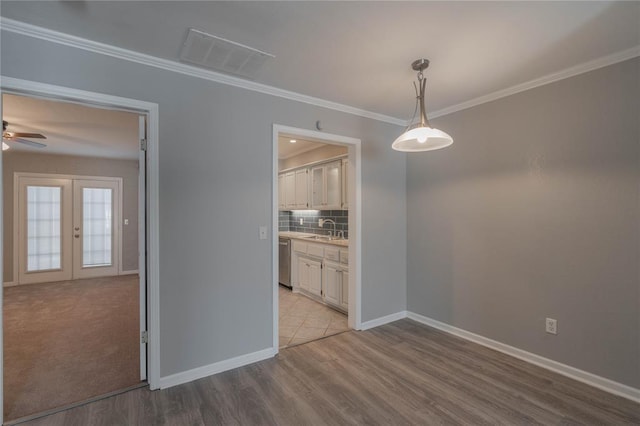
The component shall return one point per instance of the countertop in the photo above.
(303, 236)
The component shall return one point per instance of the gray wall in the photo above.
(216, 172)
(534, 213)
(14, 161)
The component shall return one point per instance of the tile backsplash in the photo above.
(290, 221)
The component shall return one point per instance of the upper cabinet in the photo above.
(293, 190)
(326, 186)
(320, 187)
(345, 184)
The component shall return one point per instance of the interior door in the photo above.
(96, 207)
(44, 229)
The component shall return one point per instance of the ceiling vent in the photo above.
(213, 52)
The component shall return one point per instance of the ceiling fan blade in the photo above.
(27, 135)
(30, 143)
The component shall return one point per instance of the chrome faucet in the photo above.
(321, 222)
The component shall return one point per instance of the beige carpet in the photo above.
(68, 341)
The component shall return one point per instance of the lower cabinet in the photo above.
(335, 279)
(310, 275)
(344, 302)
(321, 271)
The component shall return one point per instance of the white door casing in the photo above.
(49, 91)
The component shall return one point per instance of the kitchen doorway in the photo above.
(316, 235)
(78, 255)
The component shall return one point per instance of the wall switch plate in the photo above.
(301, 221)
(263, 232)
(551, 326)
(126, 221)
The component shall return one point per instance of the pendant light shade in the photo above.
(421, 137)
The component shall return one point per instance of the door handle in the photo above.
(77, 235)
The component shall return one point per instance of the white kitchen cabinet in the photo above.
(326, 186)
(282, 203)
(331, 276)
(335, 280)
(302, 189)
(293, 190)
(344, 301)
(345, 184)
(310, 275)
(290, 190)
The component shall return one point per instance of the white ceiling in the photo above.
(358, 53)
(286, 149)
(72, 129)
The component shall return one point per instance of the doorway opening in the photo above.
(316, 235)
(74, 271)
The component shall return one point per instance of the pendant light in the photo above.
(421, 136)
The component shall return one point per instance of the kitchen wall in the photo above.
(215, 150)
(534, 212)
(16, 161)
(290, 221)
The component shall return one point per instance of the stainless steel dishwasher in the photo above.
(284, 257)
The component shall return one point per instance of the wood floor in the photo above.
(68, 341)
(402, 373)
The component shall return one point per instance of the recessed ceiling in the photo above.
(358, 53)
(286, 149)
(72, 129)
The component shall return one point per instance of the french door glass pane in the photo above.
(43, 228)
(97, 222)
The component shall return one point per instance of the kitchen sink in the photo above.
(322, 238)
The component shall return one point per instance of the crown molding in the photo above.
(550, 78)
(165, 64)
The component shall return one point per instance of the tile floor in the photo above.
(303, 319)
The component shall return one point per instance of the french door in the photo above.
(68, 228)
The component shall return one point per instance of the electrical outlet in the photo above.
(263, 232)
(551, 326)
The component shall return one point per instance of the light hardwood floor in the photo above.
(402, 373)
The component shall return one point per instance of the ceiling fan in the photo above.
(20, 137)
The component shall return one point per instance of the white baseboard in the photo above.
(131, 272)
(216, 367)
(591, 379)
(383, 320)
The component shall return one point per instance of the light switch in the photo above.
(263, 232)
(126, 221)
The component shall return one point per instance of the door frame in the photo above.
(34, 89)
(355, 221)
(16, 216)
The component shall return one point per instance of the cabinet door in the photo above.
(281, 193)
(331, 283)
(344, 300)
(290, 190)
(317, 188)
(303, 273)
(345, 184)
(315, 277)
(333, 186)
(302, 189)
